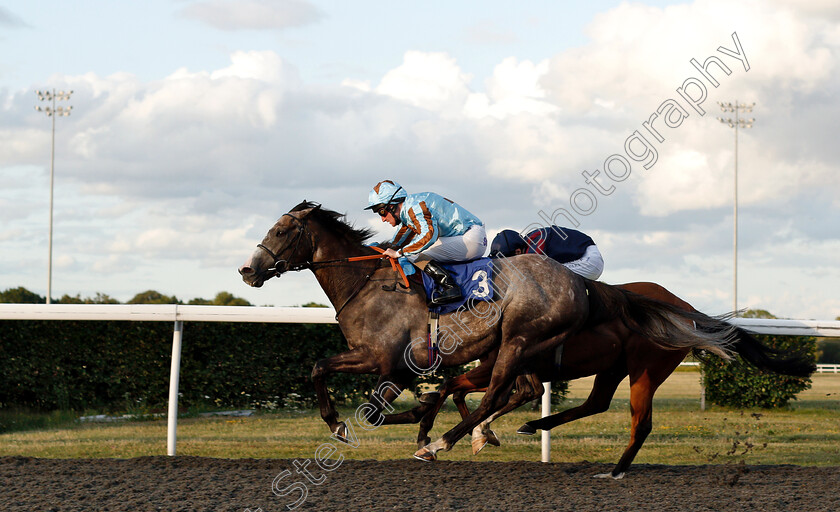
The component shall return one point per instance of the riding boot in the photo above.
(449, 290)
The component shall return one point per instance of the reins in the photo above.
(395, 266)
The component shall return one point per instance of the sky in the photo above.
(197, 123)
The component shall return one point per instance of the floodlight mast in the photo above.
(53, 112)
(736, 123)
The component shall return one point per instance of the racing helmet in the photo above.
(506, 243)
(385, 193)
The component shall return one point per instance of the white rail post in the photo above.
(546, 411)
(174, 372)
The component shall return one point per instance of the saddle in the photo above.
(474, 278)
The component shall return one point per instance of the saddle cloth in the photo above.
(475, 278)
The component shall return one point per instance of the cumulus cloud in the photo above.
(254, 14)
(190, 171)
(433, 81)
(631, 51)
(817, 8)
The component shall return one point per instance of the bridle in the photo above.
(282, 265)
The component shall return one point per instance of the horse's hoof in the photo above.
(526, 430)
(478, 443)
(429, 398)
(341, 433)
(609, 475)
(425, 454)
(492, 438)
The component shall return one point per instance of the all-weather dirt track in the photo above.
(198, 483)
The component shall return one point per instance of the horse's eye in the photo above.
(278, 233)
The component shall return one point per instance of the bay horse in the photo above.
(540, 305)
(611, 351)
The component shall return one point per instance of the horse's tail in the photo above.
(665, 325)
(686, 328)
(797, 364)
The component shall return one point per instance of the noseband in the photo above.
(282, 265)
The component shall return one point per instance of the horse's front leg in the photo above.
(501, 384)
(355, 361)
(474, 380)
(528, 387)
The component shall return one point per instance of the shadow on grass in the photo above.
(20, 420)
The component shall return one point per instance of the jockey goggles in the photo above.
(382, 209)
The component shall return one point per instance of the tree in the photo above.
(757, 313)
(221, 299)
(21, 295)
(103, 298)
(153, 297)
(100, 298)
(228, 299)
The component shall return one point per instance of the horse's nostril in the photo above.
(245, 271)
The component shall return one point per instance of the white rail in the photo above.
(819, 328)
(821, 368)
(261, 314)
(176, 312)
(167, 313)
(828, 368)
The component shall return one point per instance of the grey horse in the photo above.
(539, 305)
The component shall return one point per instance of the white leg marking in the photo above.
(609, 475)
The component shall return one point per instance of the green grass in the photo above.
(806, 433)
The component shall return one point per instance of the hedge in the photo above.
(739, 384)
(110, 365)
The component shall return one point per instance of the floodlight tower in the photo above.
(53, 112)
(736, 123)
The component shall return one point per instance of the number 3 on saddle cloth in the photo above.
(475, 278)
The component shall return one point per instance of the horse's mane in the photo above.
(335, 222)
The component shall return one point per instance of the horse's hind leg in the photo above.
(387, 389)
(644, 382)
(413, 415)
(641, 407)
(460, 401)
(597, 402)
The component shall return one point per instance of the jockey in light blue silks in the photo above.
(432, 229)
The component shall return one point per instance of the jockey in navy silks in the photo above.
(575, 250)
(432, 229)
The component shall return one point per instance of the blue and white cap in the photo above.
(384, 193)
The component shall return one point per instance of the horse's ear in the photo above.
(304, 213)
(308, 212)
